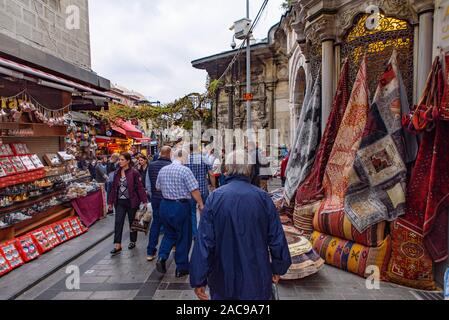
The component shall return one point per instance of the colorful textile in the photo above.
(378, 180)
(338, 225)
(303, 266)
(311, 189)
(306, 142)
(351, 256)
(90, 209)
(305, 261)
(303, 218)
(347, 142)
(428, 192)
(410, 264)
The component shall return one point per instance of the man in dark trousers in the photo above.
(178, 186)
(156, 198)
(241, 246)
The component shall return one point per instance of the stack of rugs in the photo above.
(352, 202)
(305, 261)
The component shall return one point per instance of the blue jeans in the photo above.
(193, 213)
(175, 216)
(155, 229)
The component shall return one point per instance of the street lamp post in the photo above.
(248, 74)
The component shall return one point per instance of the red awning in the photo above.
(128, 129)
(102, 139)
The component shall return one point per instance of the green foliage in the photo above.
(287, 4)
(181, 112)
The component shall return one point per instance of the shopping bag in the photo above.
(275, 292)
(143, 219)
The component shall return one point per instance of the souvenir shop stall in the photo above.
(40, 184)
(367, 196)
(81, 135)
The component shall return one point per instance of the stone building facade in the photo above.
(270, 86)
(42, 25)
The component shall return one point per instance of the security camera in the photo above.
(233, 44)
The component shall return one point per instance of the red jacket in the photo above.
(137, 194)
(284, 166)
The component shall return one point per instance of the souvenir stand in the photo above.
(38, 181)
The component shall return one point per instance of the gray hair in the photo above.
(237, 164)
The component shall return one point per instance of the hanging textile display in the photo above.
(410, 264)
(350, 256)
(331, 218)
(420, 236)
(306, 142)
(311, 189)
(347, 142)
(378, 180)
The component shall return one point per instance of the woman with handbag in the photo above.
(127, 193)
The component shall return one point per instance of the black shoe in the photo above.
(182, 273)
(116, 251)
(160, 266)
(132, 245)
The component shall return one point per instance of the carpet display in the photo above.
(351, 256)
(311, 189)
(347, 142)
(410, 264)
(338, 225)
(303, 218)
(306, 143)
(378, 182)
(305, 261)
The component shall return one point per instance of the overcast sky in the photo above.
(148, 45)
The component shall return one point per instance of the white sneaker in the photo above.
(151, 258)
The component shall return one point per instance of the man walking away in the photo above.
(241, 247)
(201, 169)
(156, 198)
(177, 184)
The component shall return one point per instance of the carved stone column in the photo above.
(425, 11)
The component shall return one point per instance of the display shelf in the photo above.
(39, 129)
(29, 203)
(41, 219)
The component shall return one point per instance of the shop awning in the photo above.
(21, 71)
(102, 139)
(143, 140)
(128, 129)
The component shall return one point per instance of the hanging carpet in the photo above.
(347, 142)
(378, 180)
(311, 189)
(306, 142)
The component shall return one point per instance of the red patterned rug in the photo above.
(311, 189)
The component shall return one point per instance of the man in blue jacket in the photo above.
(241, 247)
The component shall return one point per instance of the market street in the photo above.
(129, 276)
(238, 150)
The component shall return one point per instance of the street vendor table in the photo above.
(90, 208)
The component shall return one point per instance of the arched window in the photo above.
(378, 40)
(300, 91)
